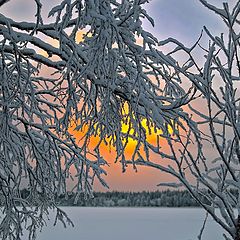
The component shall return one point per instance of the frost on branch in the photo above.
(115, 64)
(207, 162)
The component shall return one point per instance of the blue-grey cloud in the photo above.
(183, 19)
(24, 10)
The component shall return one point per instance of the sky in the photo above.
(181, 19)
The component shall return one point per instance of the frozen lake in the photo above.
(133, 223)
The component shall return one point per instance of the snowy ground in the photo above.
(133, 223)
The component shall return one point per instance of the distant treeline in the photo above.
(132, 199)
(166, 198)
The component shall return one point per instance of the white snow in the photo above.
(133, 223)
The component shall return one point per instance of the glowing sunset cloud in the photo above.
(128, 136)
(130, 179)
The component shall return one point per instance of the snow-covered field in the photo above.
(133, 224)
